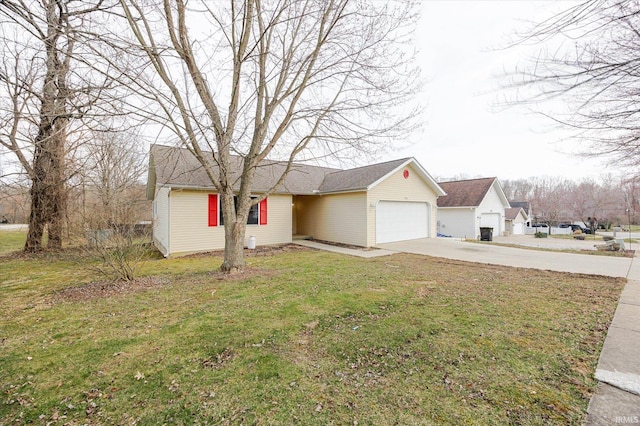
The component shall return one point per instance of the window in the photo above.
(253, 214)
(257, 213)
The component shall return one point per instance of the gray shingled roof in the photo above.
(465, 193)
(523, 204)
(358, 178)
(177, 167)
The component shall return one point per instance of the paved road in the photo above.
(12, 227)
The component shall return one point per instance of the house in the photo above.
(470, 205)
(526, 206)
(515, 221)
(365, 206)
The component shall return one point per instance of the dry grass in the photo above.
(303, 337)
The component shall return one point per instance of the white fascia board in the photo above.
(501, 194)
(496, 186)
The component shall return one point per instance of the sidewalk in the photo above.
(617, 397)
(344, 250)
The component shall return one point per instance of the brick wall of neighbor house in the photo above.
(398, 188)
(161, 220)
(190, 230)
(336, 217)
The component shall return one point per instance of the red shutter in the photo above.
(213, 209)
(263, 212)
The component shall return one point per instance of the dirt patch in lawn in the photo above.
(105, 289)
(349, 246)
(258, 251)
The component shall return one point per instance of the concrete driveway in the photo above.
(519, 257)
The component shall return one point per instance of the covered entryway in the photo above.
(401, 220)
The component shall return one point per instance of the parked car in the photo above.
(575, 227)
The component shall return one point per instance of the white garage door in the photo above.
(491, 220)
(518, 228)
(398, 221)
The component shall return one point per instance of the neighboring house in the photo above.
(365, 206)
(470, 205)
(526, 206)
(515, 221)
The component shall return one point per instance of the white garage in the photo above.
(401, 220)
(515, 219)
(470, 205)
(518, 229)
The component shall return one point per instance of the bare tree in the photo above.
(14, 201)
(44, 91)
(590, 60)
(518, 190)
(556, 200)
(631, 194)
(548, 198)
(112, 174)
(283, 80)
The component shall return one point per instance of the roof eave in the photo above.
(213, 189)
(342, 191)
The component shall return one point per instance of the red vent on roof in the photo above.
(406, 174)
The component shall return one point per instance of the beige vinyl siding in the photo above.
(190, 230)
(278, 227)
(397, 188)
(161, 220)
(334, 217)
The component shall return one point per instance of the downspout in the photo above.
(477, 220)
(168, 223)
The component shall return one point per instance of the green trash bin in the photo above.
(486, 234)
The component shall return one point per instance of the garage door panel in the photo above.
(518, 228)
(398, 221)
(491, 220)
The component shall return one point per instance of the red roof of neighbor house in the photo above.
(465, 193)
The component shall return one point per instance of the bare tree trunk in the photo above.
(36, 218)
(57, 197)
(234, 248)
(234, 231)
(48, 205)
(48, 192)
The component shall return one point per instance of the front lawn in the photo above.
(302, 337)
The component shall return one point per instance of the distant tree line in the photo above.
(612, 200)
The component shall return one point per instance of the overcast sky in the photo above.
(467, 134)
